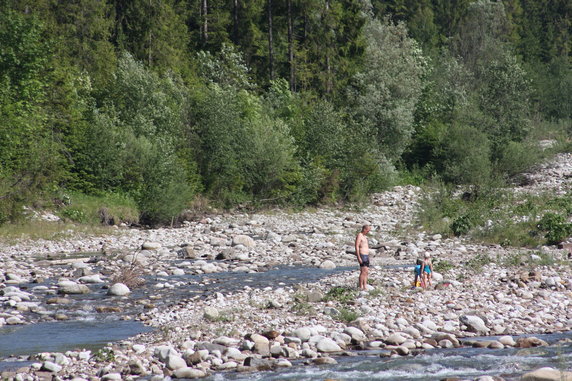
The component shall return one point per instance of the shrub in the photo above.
(461, 225)
(555, 227)
(130, 275)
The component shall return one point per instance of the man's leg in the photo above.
(363, 278)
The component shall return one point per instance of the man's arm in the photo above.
(357, 244)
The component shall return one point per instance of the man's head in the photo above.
(365, 229)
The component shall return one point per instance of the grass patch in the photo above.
(302, 306)
(347, 315)
(51, 231)
(479, 261)
(442, 265)
(344, 295)
(107, 209)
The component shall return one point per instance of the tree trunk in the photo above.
(329, 85)
(205, 25)
(235, 22)
(270, 41)
(291, 47)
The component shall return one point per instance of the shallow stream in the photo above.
(466, 363)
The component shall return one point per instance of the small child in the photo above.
(417, 282)
(427, 270)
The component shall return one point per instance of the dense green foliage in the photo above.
(297, 102)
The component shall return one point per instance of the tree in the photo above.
(29, 151)
(387, 90)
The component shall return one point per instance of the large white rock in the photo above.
(328, 265)
(508, 341)
(68, 287)
(355, 333)
(118, 289)
(174, 362)
(151, 245)
(96, 278)
(327, 345)
(243, 240)
(303, 333)
(189, 373)
(547, 374)
(395, 339)
(474, 324)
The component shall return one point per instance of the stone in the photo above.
(174, 362)
(327, 345)
(303, 333)
(243, 240)
(474, 324)
(402, 350)
(547, 374)
(188, 252)
(226, 341)
(507, 340)
(261, 344)
(529, 342)
(51, 367)
(211, 313)
(438, 336)
(356, 334)
(189, 373)
(118, 289)
(260, 364)
(395, 339)
(72, 288)
(327, 265)
(149, 245)
(95, 278)
(315, 296)
(111, 377)
(324, 361)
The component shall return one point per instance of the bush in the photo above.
(461, 225)
(555, 227)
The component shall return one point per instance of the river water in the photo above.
(466, 363)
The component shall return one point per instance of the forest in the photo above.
(158, 106)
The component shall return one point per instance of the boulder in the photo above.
(327, 345)
(474, 324)
(118, 289)
(68, 287)
(151, 245)
(547, 374)
(243, 240)
(529, 342)
(328, 265)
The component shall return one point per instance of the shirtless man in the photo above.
(362, 253)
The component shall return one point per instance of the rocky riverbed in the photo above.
(205, 329)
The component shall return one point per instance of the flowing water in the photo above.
(467, 363)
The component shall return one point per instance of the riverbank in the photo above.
(478, 290)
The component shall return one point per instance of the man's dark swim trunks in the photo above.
(364, 260)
